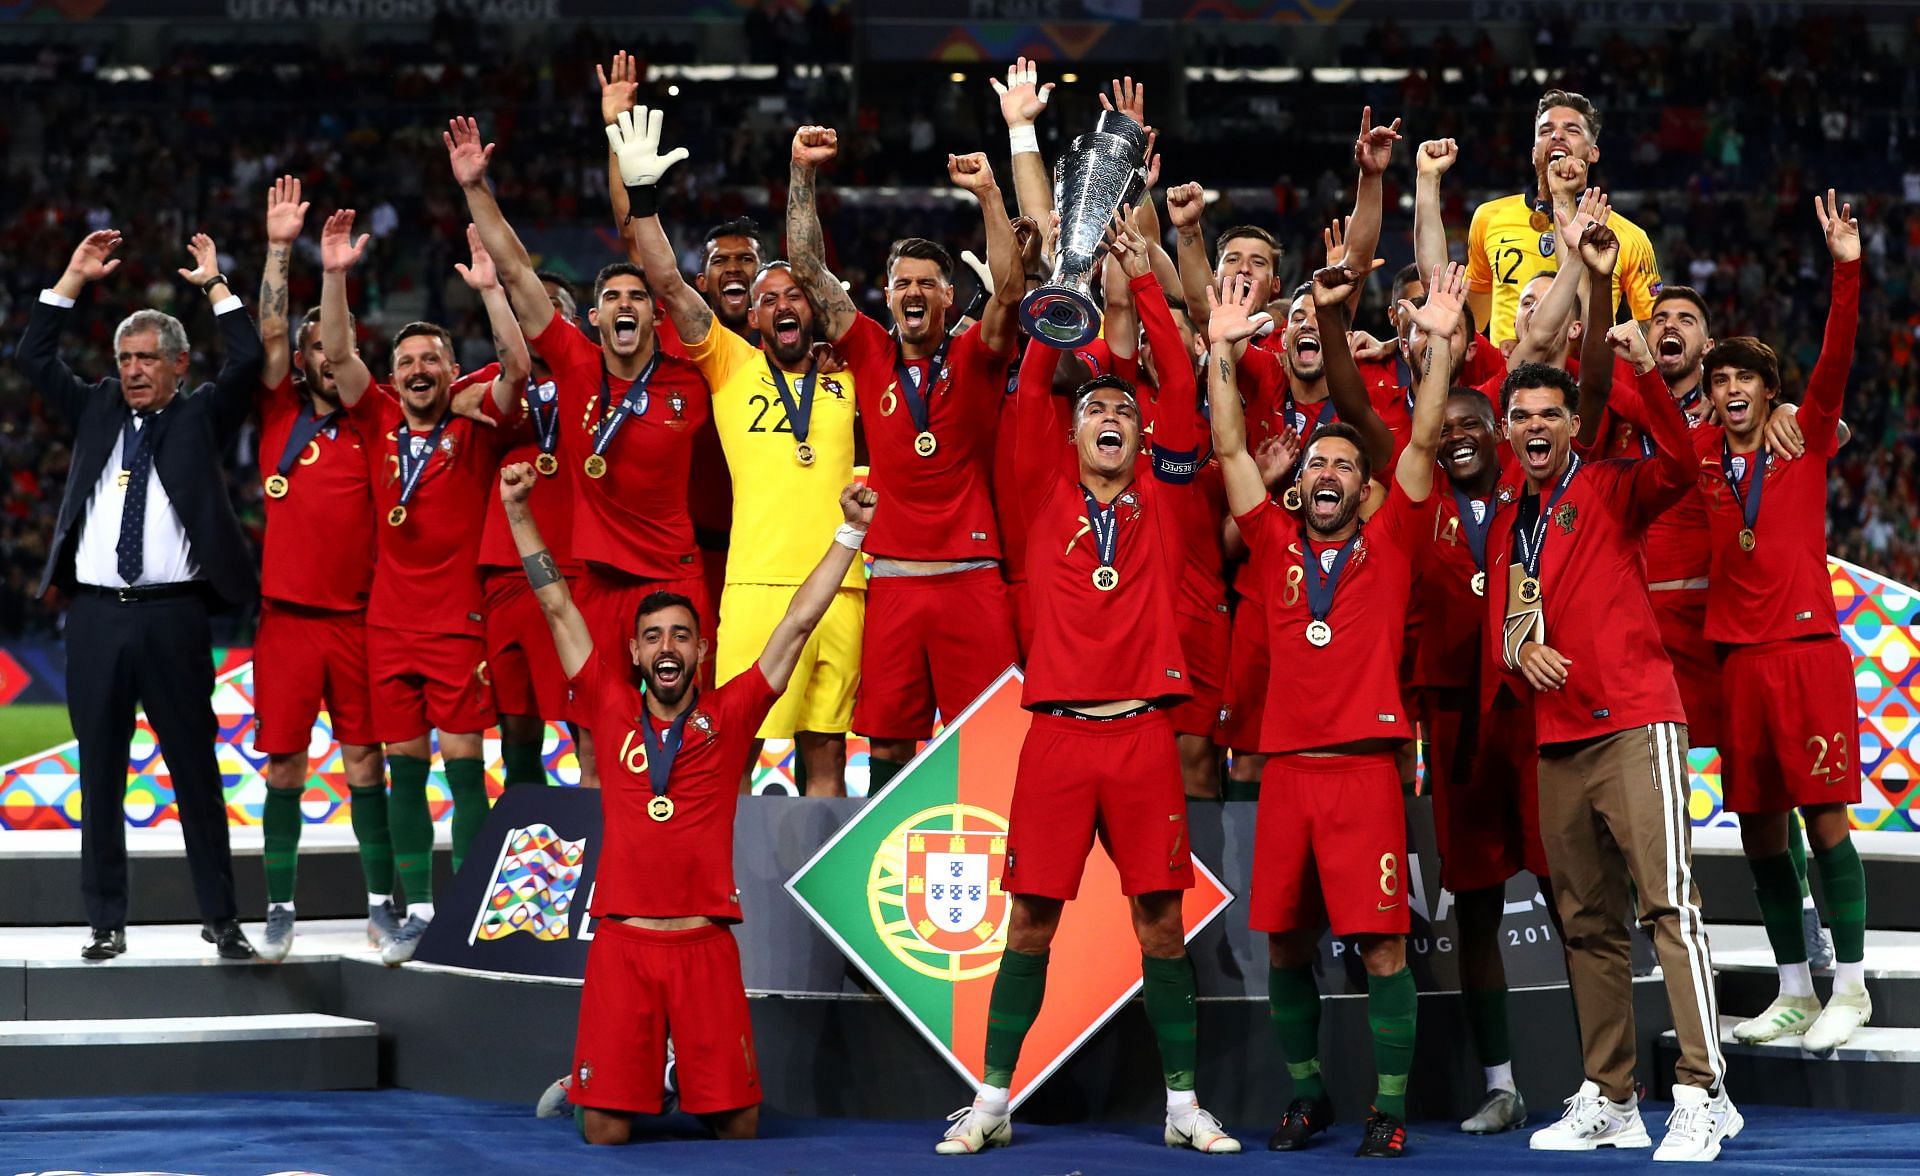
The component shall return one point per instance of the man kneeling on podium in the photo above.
(670, 768)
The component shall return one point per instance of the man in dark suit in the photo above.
(147, 543)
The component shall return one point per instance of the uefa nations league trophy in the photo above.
(1099, 173)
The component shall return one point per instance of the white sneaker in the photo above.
(1593, 1121)
(974, 1130)
(1697, 1126)
(1201, 1132)
(1846, 1010)
(1787, 1016)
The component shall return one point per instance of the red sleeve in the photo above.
(1264, 524)
(1259, 377)
(1176, 426)
(561, 344)
(980, 372)
(1127, 367)
(864, 342)
(750, 698)
(1662, 480)
(1399, 514)
(1820, 408)
(1037, 443)
(584, 686)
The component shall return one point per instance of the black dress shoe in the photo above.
(105, 944)
(227, 939)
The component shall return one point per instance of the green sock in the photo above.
(1487, 1017)
(880, 773)
(280, 825)
(412, 825)
(1844, 880)
(1797, 846)
(376, 840)
(1778, 892)
(1392, 1003)
(1241, 789)
(467, 780)
(521, 762)
(1168, 987)
(1018, 989)
(1293, 1005)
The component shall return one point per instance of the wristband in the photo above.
(207, 286)
(1023, 140)
(850, 536)
(643, 200)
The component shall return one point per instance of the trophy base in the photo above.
(1060, 317)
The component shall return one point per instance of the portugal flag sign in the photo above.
(910, 891)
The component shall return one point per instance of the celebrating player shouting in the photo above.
(1331, 844)
(1104, 557)
(938, 630)
(662, 953)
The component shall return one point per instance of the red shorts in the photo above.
(1020, 604)
(1247, 677)
(1682, 613)
(303, 657)
(1483, 776)
(930, 640)
(1119, 778)
(427, 682)
(639, 982)
(608, 598)
(522, 664)
(1797, 740)
(1340, 820)
(1203, 643)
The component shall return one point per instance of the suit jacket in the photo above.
(190, 439)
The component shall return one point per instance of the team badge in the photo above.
(1564, 517)
(1546, 244)
(953, 902)
(1506, 493)
(585, 1074)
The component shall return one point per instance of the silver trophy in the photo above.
(1102, 170)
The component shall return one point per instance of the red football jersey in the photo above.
(1361, 664)
(553, 494)
(682, 866)
(938, 506)
(634, 518)
(1593, 580)
(1677, 543)
(1453, 619)
(427, 575)
(1091, 645)
(327, 494)
(1781, 589)
(709, 484)
(1036, 364)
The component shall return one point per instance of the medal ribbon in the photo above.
(1297, 420)
(410, 470)
(634, 403)
(1321, 585)
(799, 413)
(1476, 529)
(1532, 539)
(1756, 482)
(1686, 403)
(1106, 528)
(546, 419)
(910, 391)
(661, 749)
(306, 426)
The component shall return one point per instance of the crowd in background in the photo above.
(1708, 141)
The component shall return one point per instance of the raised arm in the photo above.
(1547, 329)
(39, 354)
(241, 355)
(619, 82)
(339, 253)
(1430, 163)
(1438, 316)
(509, 344)
(1659, 482)
(1599, 253)
(571, 638)
(1819, 416)
(1022, 99)
(1333, 287)
(1176, 419)
(635, 138)
(1372, 152)
(286, 213)
(1185, 204)
(1229, 321)
(806, 244)
(1000, 321)
(816, 592)
(496, 238)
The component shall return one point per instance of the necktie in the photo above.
(136, 458)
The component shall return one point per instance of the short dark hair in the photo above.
(616, 269)
(1476, 398)
(1747, 352)
(1305, 287)
(1234, 232)
(1344, 432)
(739, 226)
(415, 330)
(921, 249)
(554, 278)
(1538, 375)
(311, 321)
(1683, 294)
(1571, 101)
(1408, 275)
(1087, 389)
(660, 599)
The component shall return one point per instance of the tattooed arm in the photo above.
(286, 212)
(806, 244)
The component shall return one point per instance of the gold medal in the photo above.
(1529, 590)
(1319, 633)
(1479, 583)
(547, 464)
(1292, 498)
(396, 516)
(660, 808)
(803, 453)
(1747, 541)
(277, 486)
(924, 444)
(1106, 578)
(596, 466)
